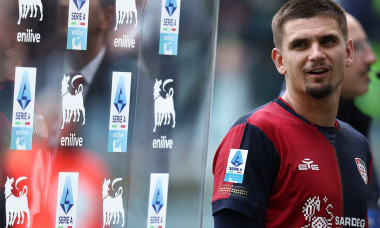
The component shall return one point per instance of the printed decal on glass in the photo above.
(126, 13)
(164, 113)
(67, 200)
(170, 13)
(78, 24)
(29, 9)
(112, 205)
(16, 206)
(73, 110)
(158, 198)
(119, 112)
(23, 108)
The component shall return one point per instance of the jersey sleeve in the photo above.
(261, 167)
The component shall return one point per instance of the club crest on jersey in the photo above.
(362, 169)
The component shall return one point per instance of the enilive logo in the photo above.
(308, 165)
(30, 7)
(163, 105)
(125, 9)
(15, 207)
(72, 104)
(112, 206)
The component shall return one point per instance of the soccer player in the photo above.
(291, 163)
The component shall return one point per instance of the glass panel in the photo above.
(104, 111)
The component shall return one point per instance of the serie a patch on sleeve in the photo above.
(236, 166)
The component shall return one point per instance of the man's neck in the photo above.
(321, 111)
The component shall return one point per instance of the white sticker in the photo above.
(236, 166)
(113, 205)
(119, 112)
(170, 12)
(16, 206)
(78, 24)
(67, 196)
(23, 108)
(158, 198)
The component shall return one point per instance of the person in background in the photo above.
(291, 163)
(355, 83)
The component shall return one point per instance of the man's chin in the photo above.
(319, 92)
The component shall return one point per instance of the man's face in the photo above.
(313, 56)
(356, 78)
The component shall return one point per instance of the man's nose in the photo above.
(316, 53)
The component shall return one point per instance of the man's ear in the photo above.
(349, 53)
(278, 61)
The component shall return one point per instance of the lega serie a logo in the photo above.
(79, 3)
(158, 200)
(24, 96)
(67, 200)
(158, 195)
(170, 6)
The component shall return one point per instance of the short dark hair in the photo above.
(296, 9)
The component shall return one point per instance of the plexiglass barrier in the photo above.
(104, 112)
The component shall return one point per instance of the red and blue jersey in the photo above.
(277, 168)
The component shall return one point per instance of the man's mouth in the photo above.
(318, 71)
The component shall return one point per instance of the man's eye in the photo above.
(299, 45)
(328, 41)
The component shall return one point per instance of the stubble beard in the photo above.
(319, 92)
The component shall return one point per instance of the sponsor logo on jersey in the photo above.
(362, 169)
(16, 206)
(307, 164)
(170, 13)
(119, 112)
(77, 24)
(320, 213)
(67, 200)
(236, 166)
(23, 108)
(112, 206)
(158, 194)
(164, 113)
